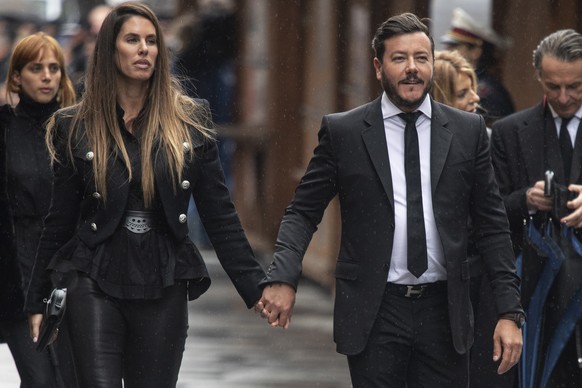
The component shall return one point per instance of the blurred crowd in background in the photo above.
(201, 41)
(202, 45)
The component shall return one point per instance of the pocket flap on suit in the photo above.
(345, 270)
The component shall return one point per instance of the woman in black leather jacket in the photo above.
(38, 76)
(126, 161)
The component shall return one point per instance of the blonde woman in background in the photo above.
(455, 81)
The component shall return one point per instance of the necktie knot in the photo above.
(410, 118)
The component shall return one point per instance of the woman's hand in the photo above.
(34, 321)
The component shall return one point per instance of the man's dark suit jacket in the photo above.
(522, 151)
(523, 147)
(351, 161)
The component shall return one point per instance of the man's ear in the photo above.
(378, 68)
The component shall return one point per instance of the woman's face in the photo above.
(40, 79)
(136, 49)
(465, 96)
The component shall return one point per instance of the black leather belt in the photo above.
(417, 290)
(140, 221)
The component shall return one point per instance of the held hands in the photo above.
(276, 304)
(507, 344)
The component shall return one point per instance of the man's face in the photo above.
(562, 84)
(406, 69)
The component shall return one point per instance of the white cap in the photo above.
(465, 29)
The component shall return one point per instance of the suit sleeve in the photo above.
(492, 232)
(221, 222)
(316, 189)
(514, 198)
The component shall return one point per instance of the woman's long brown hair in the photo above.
(163, 123)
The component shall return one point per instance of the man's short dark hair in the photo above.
(406, 23)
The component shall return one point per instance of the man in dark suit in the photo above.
(402, 316)
(524, 146)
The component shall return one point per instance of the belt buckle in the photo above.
(137, 225)
(414, 291)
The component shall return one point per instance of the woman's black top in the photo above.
(130, 265)
(29, 174)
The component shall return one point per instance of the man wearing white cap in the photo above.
(478, 43)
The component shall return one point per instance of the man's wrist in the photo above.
(517, 318)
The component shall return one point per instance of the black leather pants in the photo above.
(139, 341)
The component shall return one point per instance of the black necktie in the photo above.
(566, 148)
(417, 257)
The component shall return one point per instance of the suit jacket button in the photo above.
(96, 195)
(93, 227)
(186, 146)
(89, 155)
(182, 218)
(185, 185)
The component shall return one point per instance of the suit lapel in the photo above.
(577, 157)
(374, 138)
(440, 142)
(531, 136)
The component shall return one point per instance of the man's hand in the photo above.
(536, 200)
(574, 219)
(276, 304)
(34, 321)
(507, 344)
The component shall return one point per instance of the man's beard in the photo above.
(393, 95)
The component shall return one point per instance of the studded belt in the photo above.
(140, 221)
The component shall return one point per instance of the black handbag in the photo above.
(53, 316)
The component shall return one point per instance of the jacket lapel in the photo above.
(374, 138)
(532, 135)
(577, 157)
(440, 143)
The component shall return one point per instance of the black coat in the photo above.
(77, 208)
(11, 296)
(523, 147)
(25, 187)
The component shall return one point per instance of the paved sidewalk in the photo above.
(229, 346)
